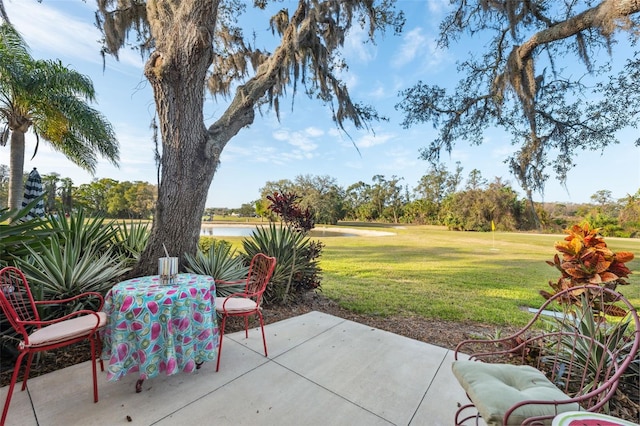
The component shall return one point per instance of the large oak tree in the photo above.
(197, 44)
(525, 82)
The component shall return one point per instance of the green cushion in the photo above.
(494, 388)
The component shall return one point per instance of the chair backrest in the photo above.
(576, 342)
(16, 299)
(260, 272)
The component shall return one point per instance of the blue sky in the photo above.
(305, 141)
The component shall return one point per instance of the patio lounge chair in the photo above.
(562, 360)
(248, 302)
(21, 310)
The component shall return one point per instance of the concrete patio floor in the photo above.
(321, 370)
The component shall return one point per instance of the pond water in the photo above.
(246, 231)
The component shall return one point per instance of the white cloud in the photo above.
(349, 78)
(369, 140)
(417, 46)
(300, 139)
(400, 161)
(303, 143)
(314, 132)
(438, 7)
(356, 45)
(136, 159)
(59, 34)
(412, 43)
(281, 135)
(378, 91)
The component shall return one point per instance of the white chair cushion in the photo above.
(66, 330)
(236, 304)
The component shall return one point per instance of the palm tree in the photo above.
(52, 100)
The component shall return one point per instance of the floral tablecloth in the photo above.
(154, 328)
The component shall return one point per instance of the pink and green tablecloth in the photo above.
(154, 328)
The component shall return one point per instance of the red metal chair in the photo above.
(246, 303)
(567, 358)
(21, 310)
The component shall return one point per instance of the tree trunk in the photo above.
(534, 213)
(16, 165)
(177, 70)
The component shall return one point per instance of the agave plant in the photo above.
(584, 258)
(582, 325)
(629, 384)
(220, 262)
(130, 239)
(15, 233)
(84, 231)
(65, 268)
(279, 242)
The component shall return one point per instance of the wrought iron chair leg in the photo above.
(264, 340)
(27, 370)
(14, 379)
(224, 320)
(93, 369)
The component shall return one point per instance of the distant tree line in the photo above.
(107, 197)
(439, 198)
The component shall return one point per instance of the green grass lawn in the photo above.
(435, 273)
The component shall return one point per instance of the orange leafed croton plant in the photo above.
(584, 258)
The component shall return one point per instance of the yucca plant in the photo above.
(65, 268)
(591, 357)
(222, 263)
(630, 380)
(580, 327)
(85, 231)
(129, 240)
(281, 242)
(16, 233)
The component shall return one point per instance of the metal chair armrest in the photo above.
(71, 299)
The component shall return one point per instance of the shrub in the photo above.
(205, 243)
(129, 240)
(221, 262)
(79, 256)
(16, 234)
(64, 269)
(282, 242)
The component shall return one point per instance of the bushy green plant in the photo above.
(222, 263)
(64, 268)
(205, 243)
(85, 231)
(130, 239)
(62, 257)
(78, 257)
(282, 242)
(630, 380)
(578, 349)
(15, 233)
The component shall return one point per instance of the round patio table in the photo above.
(154, 327)
(585, 418)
